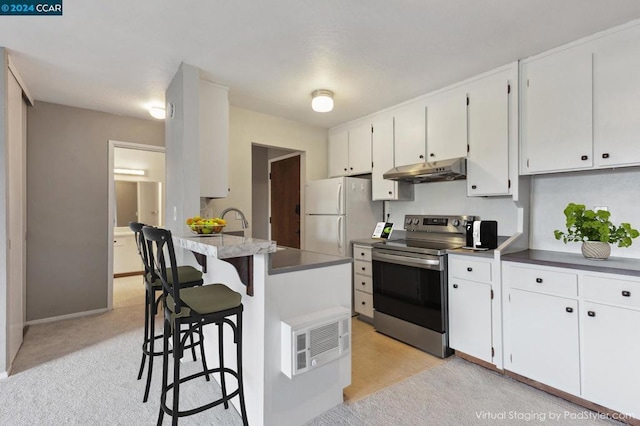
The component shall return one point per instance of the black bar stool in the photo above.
(195, 307)
(188, 276)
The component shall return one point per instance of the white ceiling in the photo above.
(119, 56)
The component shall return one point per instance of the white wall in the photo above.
(617, 189)
(249, 127)
(450, 198)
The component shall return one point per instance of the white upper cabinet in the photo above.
(339, 153)
(360, 149)
(214, 139)
(383, 161)
(446, 123)
(350, 151)
(616, 99)
(488, 154)
(556, 112)
(409, 134)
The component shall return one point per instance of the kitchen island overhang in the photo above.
(287, 283)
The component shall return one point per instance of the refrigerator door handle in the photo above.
(339, 236)
(339, 198)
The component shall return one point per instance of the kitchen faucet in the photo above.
(245, 223)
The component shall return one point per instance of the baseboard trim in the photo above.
(67, 316)
(478, 361)
(4, 375)
(128, 274)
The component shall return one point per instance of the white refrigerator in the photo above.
(337, 211)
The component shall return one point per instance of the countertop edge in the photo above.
(616, 265)
(304, 267)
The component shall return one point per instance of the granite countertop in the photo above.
(224, 246)
(613, 265)
(287, 259)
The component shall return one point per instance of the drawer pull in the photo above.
(361, 253)
(569, 309)
(605, 155)
(363, 284)
(474, 187)
(584, 157)
(363, 303)
(626, 293)
(469, 269)
(455, 286)
(539, 280)
(591, 313)
(364, 269)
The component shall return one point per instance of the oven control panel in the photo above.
(440, 224)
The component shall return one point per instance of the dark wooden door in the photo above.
(285, 202)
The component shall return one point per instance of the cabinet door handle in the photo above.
(626, 293)
(364, 269)
(469, 269)
(539, 280)
(390, 192)
(474, 187)
(363, 303)
(421, 156)
(584, 157)
(605, 155)
(591, 313)
(569, 309)
(345, 169)
(455, 286)
(361, 253)
(350, 168)
(432, 155)
(363, 284)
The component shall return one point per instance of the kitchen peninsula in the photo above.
(286, 283)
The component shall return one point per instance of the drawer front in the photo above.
(472, 270)
(611, 290)
(363, 283)
(543, 281)
(361, 267)
(363, 303)
(362, 253)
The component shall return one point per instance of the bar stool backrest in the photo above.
(141, 243)
(158, 241)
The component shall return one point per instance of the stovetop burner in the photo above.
(431, 235)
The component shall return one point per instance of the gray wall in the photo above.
(67, 204)
(3, 211)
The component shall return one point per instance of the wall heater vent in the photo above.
(312, 340)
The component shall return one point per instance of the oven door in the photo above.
(410, 287)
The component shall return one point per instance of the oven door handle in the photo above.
(407, 261)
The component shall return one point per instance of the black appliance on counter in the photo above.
(410, 281)
(482, 234)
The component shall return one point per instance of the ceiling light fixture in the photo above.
(322, 100)
(134, 172)
(158, 112)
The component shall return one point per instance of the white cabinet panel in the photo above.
(382, 156)
(616, 100)
(470, 318)
(474, 270)
(610, 354)
(488, 156)
(363, 303)
(339, 153)
(556, 112)
(409, 134)
(360, 149)
(447, 125)
(543, 336)
(214, 140)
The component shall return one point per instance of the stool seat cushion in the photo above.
(205, 300)
(186, 274)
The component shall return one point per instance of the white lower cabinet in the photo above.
(470, 306)
(362, 281)
(544, 339)
(470, 318)
(581, 339)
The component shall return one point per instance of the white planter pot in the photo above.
(596, 250)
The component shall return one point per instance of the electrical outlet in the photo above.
(604, 208)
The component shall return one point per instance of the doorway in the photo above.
(284, 200)
(136, 193)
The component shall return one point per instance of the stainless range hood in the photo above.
(436, 171)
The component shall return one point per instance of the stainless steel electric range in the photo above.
(410, 281)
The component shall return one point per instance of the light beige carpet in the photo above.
(378, 361)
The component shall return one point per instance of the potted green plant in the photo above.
(595, 231)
